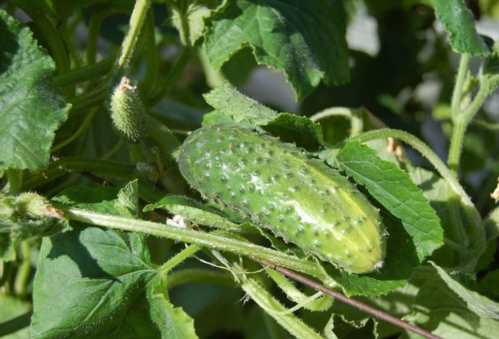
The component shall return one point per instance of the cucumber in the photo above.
(281, 188)
(128, 111)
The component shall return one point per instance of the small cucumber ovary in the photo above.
(278, 187)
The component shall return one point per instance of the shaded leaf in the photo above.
(298, 129)
(172, 321)
(478, 304)
(457, 227)
(30, 108)
(488, 284)
(394, 189)
(448, 309)
(285, 35)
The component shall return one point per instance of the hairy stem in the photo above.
(194, 237)
(24, 271)
(462, 117)
(460, 79)
(129, 44)
(456, 144)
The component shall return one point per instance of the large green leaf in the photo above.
(99, 272)
(458, 21)
(30, 109)
(305, 40)
(85, 283)
(394, 189)
(450, 310)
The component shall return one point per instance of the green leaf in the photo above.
(228, 102)
(289, 36)
(193, 211)
(458, 21)
(14, 313)
(99, 272)
(298, 129)
(478, 304)
(30, 109)
(136, 324)
(189, 18)
(457, 227)
(172, 321)
(450, 310)
(394, 189)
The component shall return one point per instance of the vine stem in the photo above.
(83, 127)
(353, 115)
(23, 274)
(354, 303)
(129, 44)
(461, 121)
(460, 79)
(194, 237)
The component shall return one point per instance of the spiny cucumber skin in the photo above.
(278, 187)
(127, 111)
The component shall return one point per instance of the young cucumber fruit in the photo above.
(278, 187)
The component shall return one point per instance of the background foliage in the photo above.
(424, 76)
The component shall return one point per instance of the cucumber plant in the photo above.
(150, 180)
